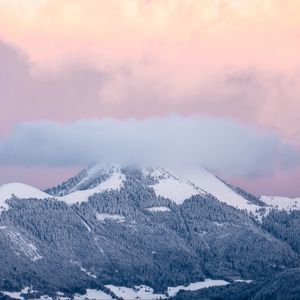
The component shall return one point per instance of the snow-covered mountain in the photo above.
(113, 180)
(118, 230)
(174, 184)
(19, 190)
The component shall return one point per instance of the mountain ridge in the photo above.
(173, 184)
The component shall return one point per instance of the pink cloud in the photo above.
(137, 58)
(167, 55)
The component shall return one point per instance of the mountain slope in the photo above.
(121, 226)
(183, 183)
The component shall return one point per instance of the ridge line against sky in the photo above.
(67, 61)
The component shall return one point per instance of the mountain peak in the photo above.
(20, 190)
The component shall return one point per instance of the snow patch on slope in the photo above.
(82, 269)
(114, 182)
(93, 294)
(281, 203)
(17, 295)
(138, 292)
(147, 293)
(244, 280)
(158, 209)
(23, 245)
(102, 217)
(172, 291)
(171, 187)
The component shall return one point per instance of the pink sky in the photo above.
(69, 60)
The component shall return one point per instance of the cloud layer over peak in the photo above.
(218, 144)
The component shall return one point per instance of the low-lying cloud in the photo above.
(218, 144)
